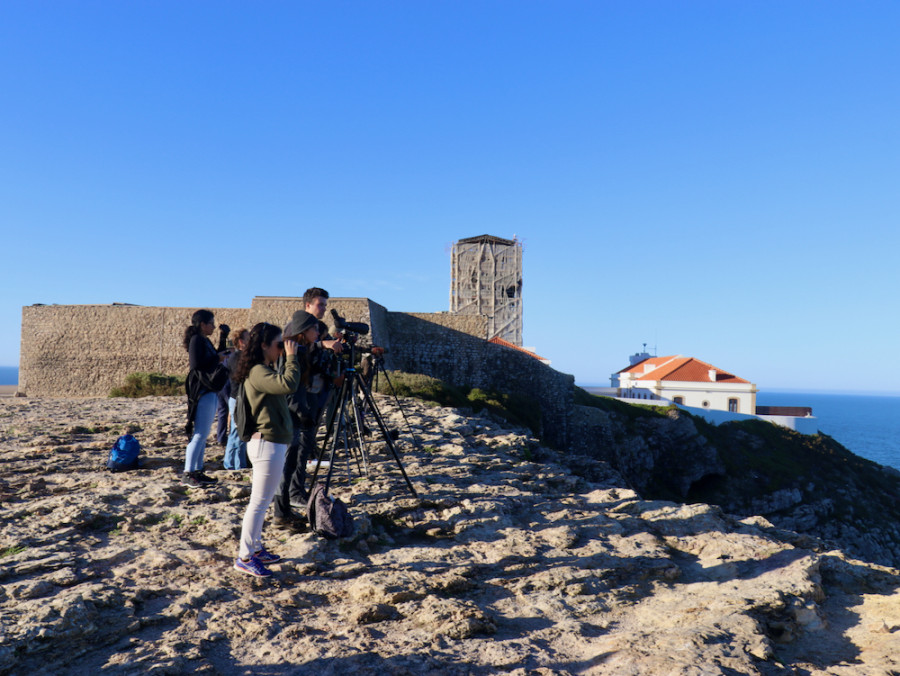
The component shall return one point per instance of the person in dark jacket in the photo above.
(207, 375)
(303, 404)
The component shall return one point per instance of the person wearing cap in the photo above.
(304, 329)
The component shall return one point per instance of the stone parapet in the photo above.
(86, 350)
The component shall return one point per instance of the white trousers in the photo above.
(268, 464)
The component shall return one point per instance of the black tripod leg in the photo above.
(331, 435)
(358, 424)
(387, 437)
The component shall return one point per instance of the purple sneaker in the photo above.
(252, 567)
(264, 556)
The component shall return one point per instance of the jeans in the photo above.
(222, 397)
(268, 463)
(235, 449)
(203, 419)
(293, 479)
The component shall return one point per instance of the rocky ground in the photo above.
(509, 561)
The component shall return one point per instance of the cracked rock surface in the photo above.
(509, 561)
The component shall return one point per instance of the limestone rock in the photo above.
(514, 558)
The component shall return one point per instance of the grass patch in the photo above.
(81, 429)
(518, 409)
(12, 551)
(149, 385)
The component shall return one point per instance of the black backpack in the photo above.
(243, 414)
(328, 516)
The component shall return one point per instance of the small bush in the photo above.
(422, 387)
(517, 409)
(149, 385)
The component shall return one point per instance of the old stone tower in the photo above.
(486, 279)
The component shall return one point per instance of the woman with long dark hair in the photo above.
(207, 376)
(266, 390)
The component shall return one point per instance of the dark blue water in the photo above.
(868, 425)
(9, 375)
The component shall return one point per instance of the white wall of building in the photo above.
(710, 395)
(803, 425)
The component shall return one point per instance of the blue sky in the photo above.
(716, 179)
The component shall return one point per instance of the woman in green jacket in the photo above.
(266, 389)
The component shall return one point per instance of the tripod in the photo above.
(347, 425)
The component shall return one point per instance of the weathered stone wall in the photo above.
(422, 346)
(278, 310)
(86, 350)
(474, 325)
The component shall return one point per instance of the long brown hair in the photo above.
(261, 334)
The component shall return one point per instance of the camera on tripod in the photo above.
(349, 329)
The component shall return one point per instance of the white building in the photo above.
(688, 382)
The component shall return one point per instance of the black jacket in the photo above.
(207, 374)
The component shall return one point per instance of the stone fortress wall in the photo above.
(86, 350)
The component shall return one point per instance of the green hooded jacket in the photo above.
(267, 392)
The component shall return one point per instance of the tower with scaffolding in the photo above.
(486, 279)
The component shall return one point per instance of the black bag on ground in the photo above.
(328, 516)
(243, 414)
(124, 455)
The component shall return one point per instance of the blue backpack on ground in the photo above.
(124, 454)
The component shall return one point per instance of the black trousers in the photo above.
(292, 487)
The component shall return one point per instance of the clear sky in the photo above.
(715, 179)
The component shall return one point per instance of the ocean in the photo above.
(9, 375)
(867, 424)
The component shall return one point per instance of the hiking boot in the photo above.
(253, 566)
(289, 523)
(191, 479)
(205, 480)
(264, 556)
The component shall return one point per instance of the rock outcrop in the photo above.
(804, 483)
(514, 559)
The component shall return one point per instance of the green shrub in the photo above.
(149, 385)
(518, 409)
(421, 387)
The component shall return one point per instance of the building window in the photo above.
(705, 404)
(679, 400)
(733, 405)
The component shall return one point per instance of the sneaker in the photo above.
(191, 479)
(206, 480)
(252, 567)
(264, 556)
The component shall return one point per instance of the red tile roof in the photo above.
(497, 340)
(656, 362)
(686, 369)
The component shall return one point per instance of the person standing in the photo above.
(235, 447)
(207, 376)
(303, 405)
(266, 390)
